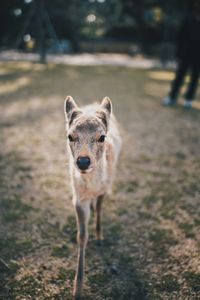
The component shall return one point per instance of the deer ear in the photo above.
(71, 109)
(69, 105)
(106, 105)
(105, 110)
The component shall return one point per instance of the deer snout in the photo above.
(83, 162)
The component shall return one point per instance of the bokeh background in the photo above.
(129, 26)
(90, 49)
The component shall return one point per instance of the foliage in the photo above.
(140, 20)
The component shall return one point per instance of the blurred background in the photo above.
(135, 27)
(88, 49)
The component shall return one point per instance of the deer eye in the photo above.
(70, 138)
(101, 139)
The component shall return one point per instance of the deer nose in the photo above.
(83, 162)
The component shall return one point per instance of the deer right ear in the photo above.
(71, 109)
(69, 106)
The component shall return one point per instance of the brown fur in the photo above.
(86, 129)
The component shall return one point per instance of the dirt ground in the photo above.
(151, 223)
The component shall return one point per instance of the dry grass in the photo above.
(152, 238)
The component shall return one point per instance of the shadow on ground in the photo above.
(151, 223)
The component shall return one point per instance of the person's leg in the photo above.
(193, 84)
(180, 74)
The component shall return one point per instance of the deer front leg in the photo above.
(99, 235)
(82, 217)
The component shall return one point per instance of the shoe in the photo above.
(168, 101)
(187, 104)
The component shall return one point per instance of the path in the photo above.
(151, 223)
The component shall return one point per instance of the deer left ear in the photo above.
(105, 110)
(106, 104)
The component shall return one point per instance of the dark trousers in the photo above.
(183, 67)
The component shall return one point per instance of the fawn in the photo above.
(93, 142)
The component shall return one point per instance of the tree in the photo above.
(67, 18)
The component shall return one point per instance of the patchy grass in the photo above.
(187, 229)
(60, 250)
(151, 223)
(193, 280)
(13, 248)
(161, 240)
(168, 283)
(13, 209)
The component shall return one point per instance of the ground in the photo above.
(151, 222)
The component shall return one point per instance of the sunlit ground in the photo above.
(151, 223)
